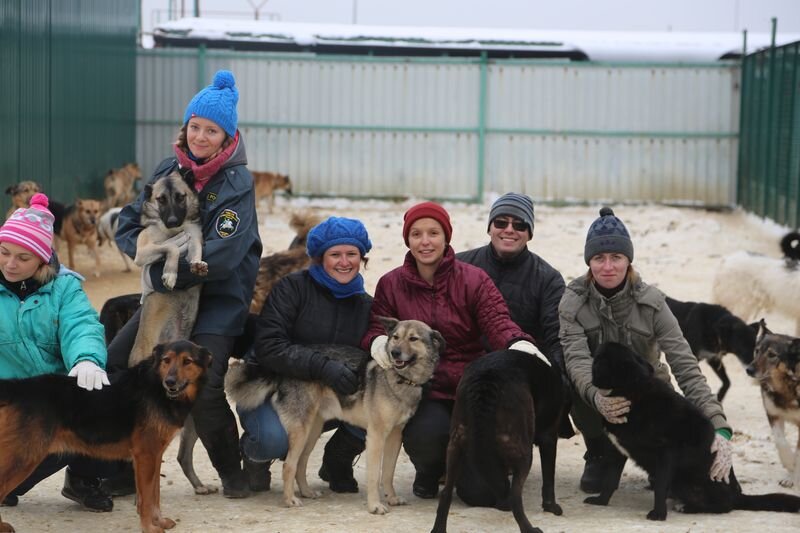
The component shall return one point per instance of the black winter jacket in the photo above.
(532, 289)
(232, 255)
(300, 312)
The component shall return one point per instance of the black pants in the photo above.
(586, 418)
(78, 465)
(215, 423)
(425, 439)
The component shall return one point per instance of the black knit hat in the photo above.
(514, 205)
(607, 234)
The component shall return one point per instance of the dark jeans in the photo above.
(78, 465)
(425, 439)
(214, 420)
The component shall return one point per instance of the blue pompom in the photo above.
(224, 79)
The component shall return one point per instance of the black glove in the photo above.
(338, 377)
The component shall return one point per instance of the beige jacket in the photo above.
(638, 317)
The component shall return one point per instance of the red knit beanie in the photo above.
(427, 210)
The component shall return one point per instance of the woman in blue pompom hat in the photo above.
(210, 155)
(327, 304)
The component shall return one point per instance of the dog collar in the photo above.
(406, 381)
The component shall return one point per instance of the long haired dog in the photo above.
(670, 438)
(170, 207)
(107, 228)
(266, 183)
(136, 417)
(119, 184)
(752, 285)
(21, 194)
(712, 331)
(776, 368)
(506, 402)
(385, 401)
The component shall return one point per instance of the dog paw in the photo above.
(312, 494)
(596, 500)
(294, 501)
(166, 523)
(169, 279)
(377, 508)
(657, 515)
(787, 483)
(679, 506)
(552, 507)
(202, 490)
(396, 500)
(199, 269)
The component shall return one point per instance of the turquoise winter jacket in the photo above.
(51, 330)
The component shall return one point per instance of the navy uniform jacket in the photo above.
(231, 245)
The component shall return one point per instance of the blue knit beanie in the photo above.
(608, 234)
(217, 102)
(337, 230)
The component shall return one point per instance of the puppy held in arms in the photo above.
(670, 438)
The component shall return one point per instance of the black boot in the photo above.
(425, 486)
(595, 468)
(122, 483)
(222, 446)
(259, 477)
(337, 461)
(87, 492)
(10, 501)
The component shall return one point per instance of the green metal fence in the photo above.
(68, 105)
(769, 150)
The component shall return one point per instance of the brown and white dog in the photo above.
(80, 227)
(266, 183)
(776, 368)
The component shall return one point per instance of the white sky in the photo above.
(633, 15)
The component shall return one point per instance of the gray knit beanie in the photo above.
(514, 205)
(607, 234)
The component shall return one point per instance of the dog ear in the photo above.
(158, 351)
(203, 356)
(762, 329)
(10, 190)
(148, 192)
(389, 323)
(438, 341)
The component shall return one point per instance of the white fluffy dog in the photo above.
(750, 285)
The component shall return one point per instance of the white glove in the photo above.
(90, 376)
(378, 351)
(723, 461)
(529, 348)
(612, 407)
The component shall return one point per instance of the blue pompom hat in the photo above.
(217, 102)
(607, 234)
(337, 230)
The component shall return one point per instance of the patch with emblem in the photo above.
(227, 223)
(210, 197)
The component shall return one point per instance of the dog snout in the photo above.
(172, 221)
(397, 353)
(751, 370)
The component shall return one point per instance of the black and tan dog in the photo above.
(776, 368)
(712, 331)
(21, 194)
(136, 417)
(385, 401)
(506, 402)
(670, 438)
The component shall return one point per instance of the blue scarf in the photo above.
(339, 290)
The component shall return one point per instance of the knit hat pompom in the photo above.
(607, 234)
(427, 210)
(514, 205)
(217, 102)
(337, 230)
(31, 228)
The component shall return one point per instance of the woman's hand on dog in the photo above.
(90, 376)
(723, 460)
(612, 408)
(378, 351)
(339, 377)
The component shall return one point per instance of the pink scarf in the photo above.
(203, 172)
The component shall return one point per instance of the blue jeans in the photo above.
(264, 438)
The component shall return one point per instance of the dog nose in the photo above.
(170, 381)
(751, 371)
(397, 353)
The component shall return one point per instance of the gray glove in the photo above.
(723, 460)
(613, 408)
(337, 376)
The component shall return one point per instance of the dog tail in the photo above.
(776, 501)
(246, 386)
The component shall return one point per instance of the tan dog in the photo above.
(21, 194)
(80, 227)
(119, 184)
(266, 183)
(385, 401)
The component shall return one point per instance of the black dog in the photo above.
(712, 331)
(506, 402)
(670, 438)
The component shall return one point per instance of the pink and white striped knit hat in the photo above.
(31, 228)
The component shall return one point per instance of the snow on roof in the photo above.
(690, 47)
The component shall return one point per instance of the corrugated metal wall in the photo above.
(457, 128)
(68, 106)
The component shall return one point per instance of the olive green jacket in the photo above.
(639, 318)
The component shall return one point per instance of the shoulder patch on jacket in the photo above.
(227, 223)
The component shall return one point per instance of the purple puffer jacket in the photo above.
(463, 304)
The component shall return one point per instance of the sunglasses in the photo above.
(503, 224)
